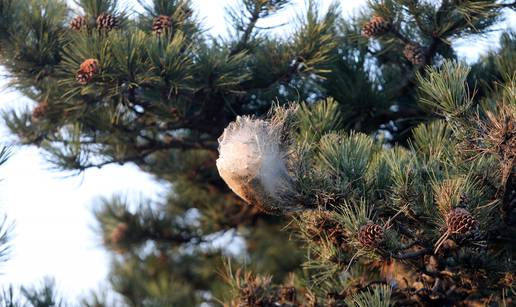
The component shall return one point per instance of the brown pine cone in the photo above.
(78, 23)
(39, 111)
(118, 234)
(375, 27)
(371, 234)
(87, 70)
(107, 22)
(90, 66)
(414, 53)
(459, 220)
(161, 24)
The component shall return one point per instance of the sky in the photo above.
(52, 211)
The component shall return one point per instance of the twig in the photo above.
(411, 255)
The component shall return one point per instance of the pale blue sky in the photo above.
(53, 213)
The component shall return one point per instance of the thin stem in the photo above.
(412, 255)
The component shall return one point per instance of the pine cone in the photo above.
(107, 22)
(371, 235)
(375, 27)
(414, 53)
(87, 70)
(78, 23)
(39, 111)
(90, 66)
(161, 24)
(118, 234)
(460, 221)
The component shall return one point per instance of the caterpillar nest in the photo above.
(252, 162)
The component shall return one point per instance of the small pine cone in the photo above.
(414, 53)
(83, 77)
(87, 70)
(78, 23)
(90, 66)
(161, 24)
(371, 235)
(460, 221)
(375, 27)
(107, 22)
(118, 234)
(39, 111)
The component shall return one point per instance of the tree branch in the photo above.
(150, 149)
(247, 32)
(412, 255)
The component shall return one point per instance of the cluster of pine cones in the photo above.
(104, 21)
(458, 221)
(160, 25)
(378, 26)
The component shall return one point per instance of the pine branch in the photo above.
(397, 34)
(258, 9)
(174, 239)
(147, 150)
(244, 38)
(412, 255)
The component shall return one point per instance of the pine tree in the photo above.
(157, 91)
(432, 223)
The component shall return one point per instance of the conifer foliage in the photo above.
(395, 162)
(439, 228)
